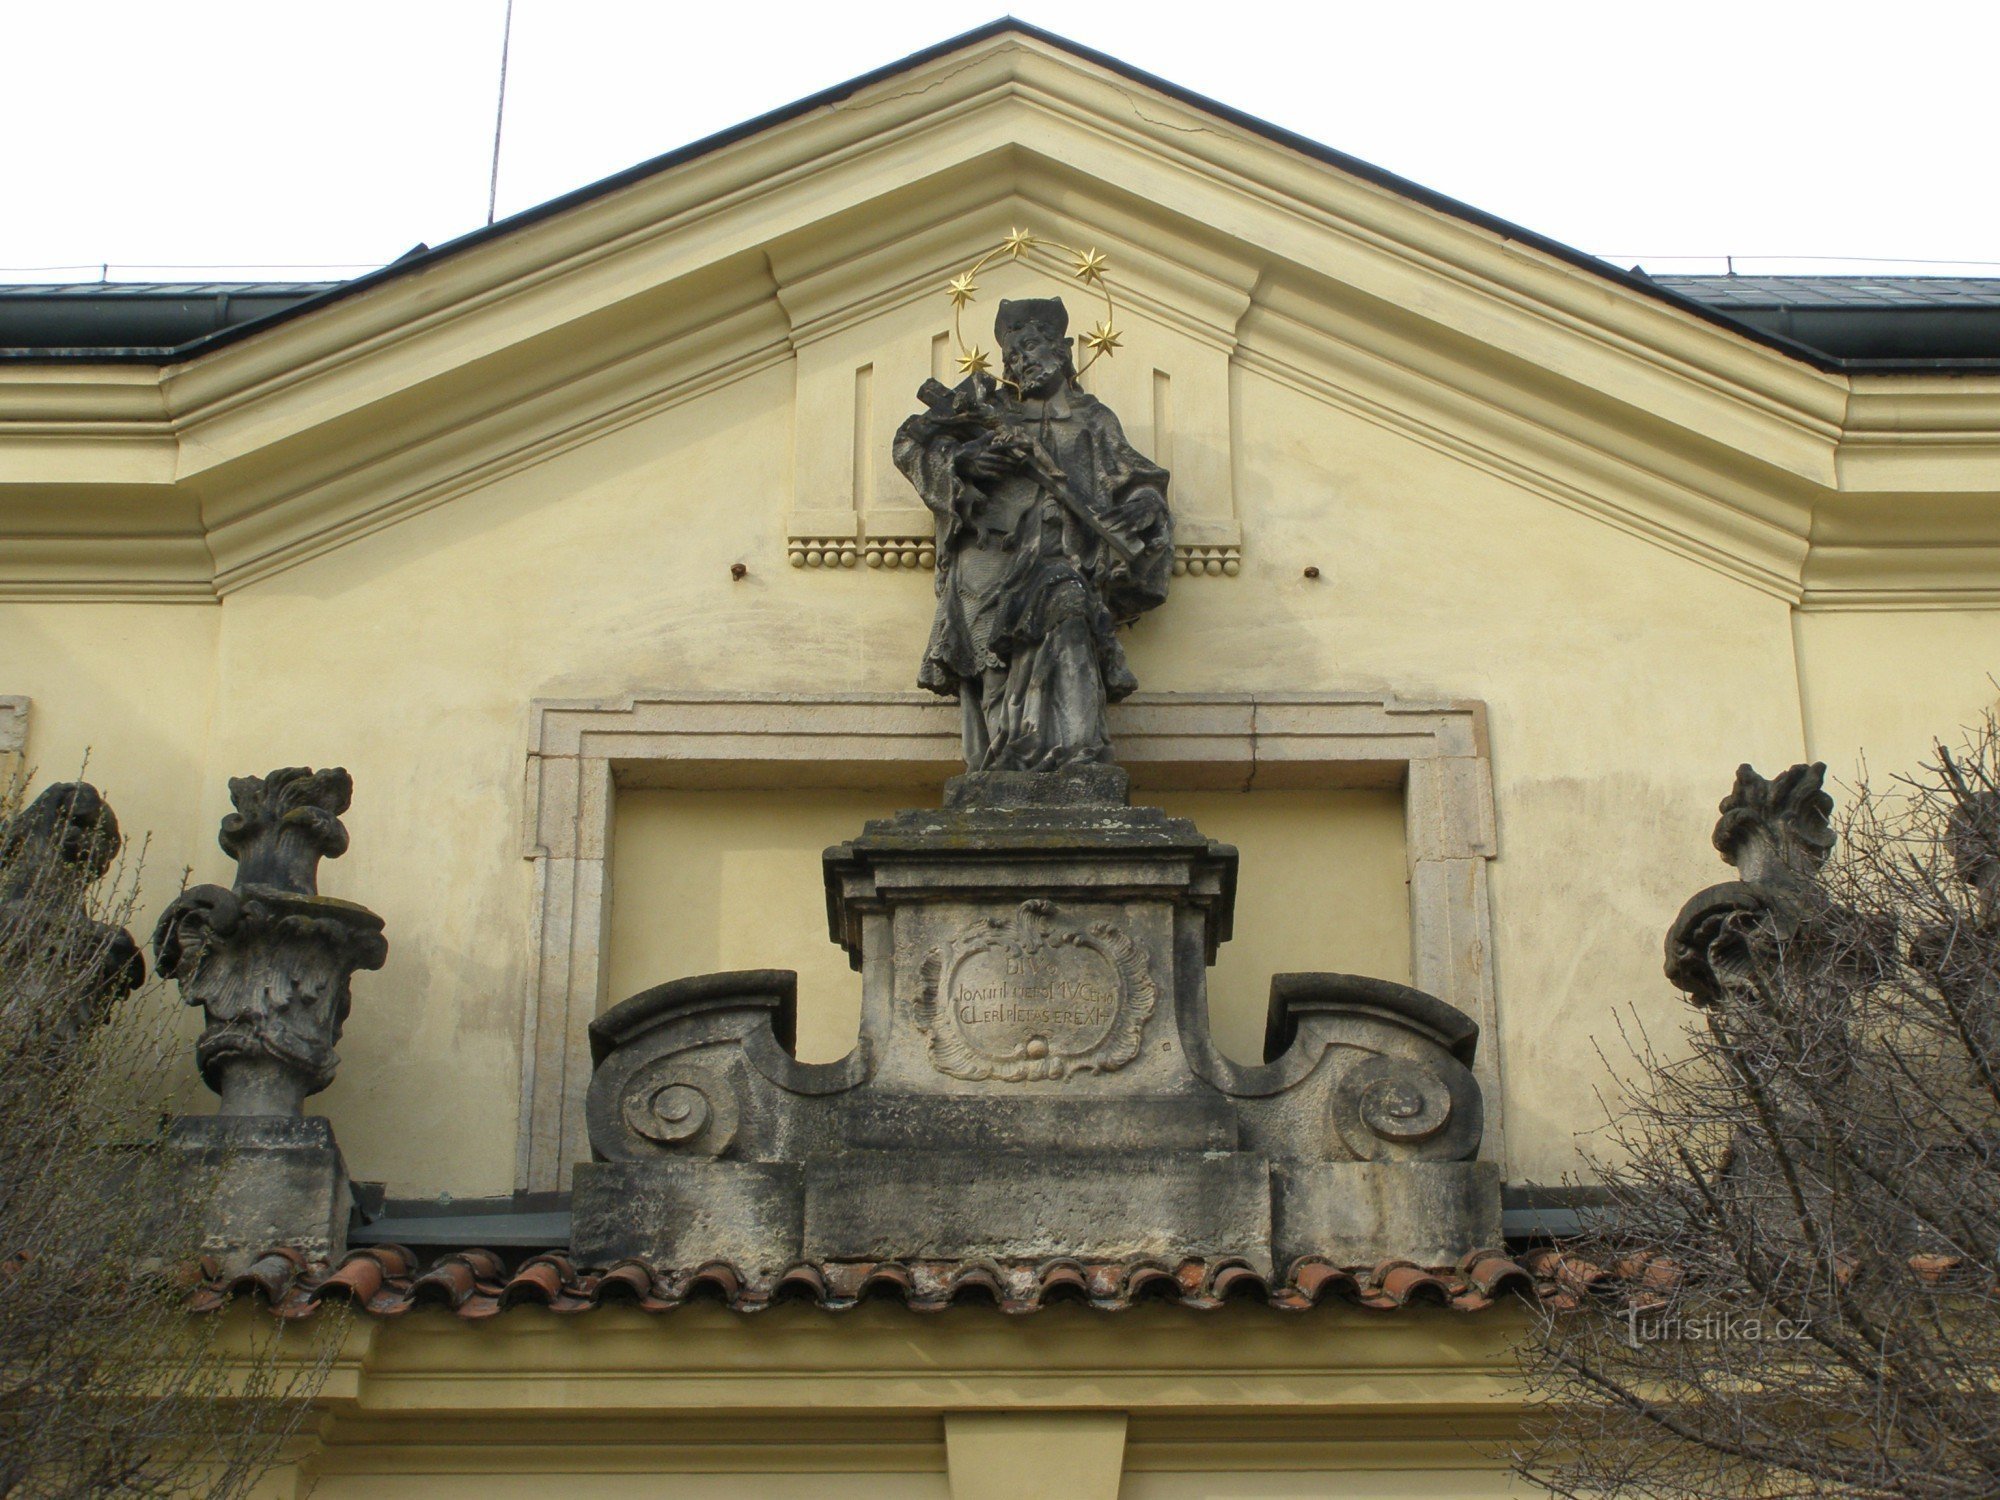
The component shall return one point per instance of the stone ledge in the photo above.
(874, 1205)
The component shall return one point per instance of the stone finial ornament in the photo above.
(1777, 833)
(1779, 830)
(284, 825)
(269, 961)
(51, 853)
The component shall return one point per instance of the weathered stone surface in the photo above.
(1361, 1212)
(1078, 786)
(674, 1081)
(867, 1205)
(1051, 530)
(1035, 1073)
(51, 853)
(273, 1181)
(1035, 1120)
(1777, 833)
(1378, 1070)
(1034, 1076)
(687, 1213)
(269, 961)
(1035, 994)
(985, 853)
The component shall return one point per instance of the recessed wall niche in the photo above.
(707, 880)
(588, 757)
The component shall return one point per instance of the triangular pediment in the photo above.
(821, 237)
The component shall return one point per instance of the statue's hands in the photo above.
(991, 460)
(981, 464)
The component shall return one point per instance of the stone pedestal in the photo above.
(272, 1181)
(1035, 1077)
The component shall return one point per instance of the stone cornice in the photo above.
(327, 426)
(1327, 1376)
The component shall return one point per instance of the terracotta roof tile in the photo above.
(386, 1281)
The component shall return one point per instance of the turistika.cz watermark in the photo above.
(1642, 1328)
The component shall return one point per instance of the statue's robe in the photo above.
(1029, 594)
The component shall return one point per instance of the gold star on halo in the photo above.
(1018, 241)
(962, 288)
(1089, 266)
(973, 362)
(1103, 339)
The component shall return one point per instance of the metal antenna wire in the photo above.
(500, 114)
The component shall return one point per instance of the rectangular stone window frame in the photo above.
(581, 751)
(13, 737)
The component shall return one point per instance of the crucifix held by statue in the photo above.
(1053, 531)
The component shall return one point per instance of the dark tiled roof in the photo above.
(387, 1280)
(134, 290)
(161, 315)
(1837, 291)
(1865, 320)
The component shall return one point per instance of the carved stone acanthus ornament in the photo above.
(269, 961)
(1778, 833)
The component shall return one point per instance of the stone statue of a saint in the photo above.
(1052, 531)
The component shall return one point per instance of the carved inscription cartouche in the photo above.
(1031, 997)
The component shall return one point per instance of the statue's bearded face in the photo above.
(1035, 362)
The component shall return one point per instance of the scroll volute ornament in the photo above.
(1777, 833)
(677, 1073)
(1400, 1060)
(269, 960)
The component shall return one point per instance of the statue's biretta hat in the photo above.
(1045, 313)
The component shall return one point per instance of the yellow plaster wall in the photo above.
(411, 657)
(130, 687)
(1350, 1484)
(1885, 683)
(1237, 1403)
(1624, 683)
(711, 880)
(649, 1484)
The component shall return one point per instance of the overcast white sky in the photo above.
(294, 137)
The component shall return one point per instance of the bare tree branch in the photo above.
(1795, 1287)
(108, 1385)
